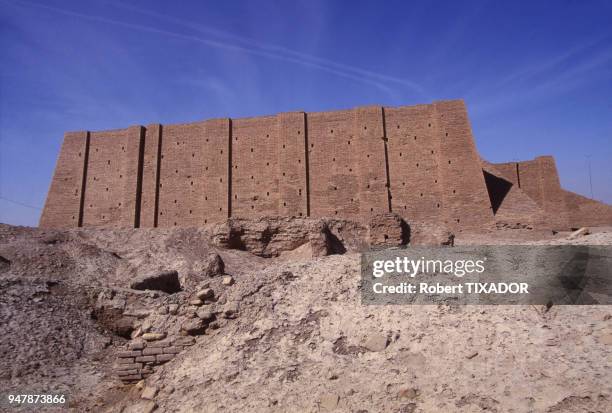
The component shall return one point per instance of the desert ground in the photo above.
(269, 319)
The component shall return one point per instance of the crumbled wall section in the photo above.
(420, 162)
(63, 206)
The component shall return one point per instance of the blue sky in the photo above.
(536, 75)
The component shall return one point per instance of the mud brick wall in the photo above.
(419, 161)
(539, 180)
(112, 184)
(139, 358)
(63, 208)
(583, 212)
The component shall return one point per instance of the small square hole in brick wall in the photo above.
(446, 134)
(283, 146)
(365, 128)
(438, 205)
(205, 221)
(349, 142)
(251, 150)
(190, 211)
(267, 193)
(421, 194)
(371, 209)
(299, 132)
(449, 162)
(333, 159)
(119, 204)
(221, 152)
(454, 191)
(193, 155)
(429, 125)
(415, 138)
(175, 201)
(252, 206)
(284, 204)
(368, 155)
(435, 181)
(220, 179)
(220, 209)
(267, 136)
(283, 174)
(191, 183)
(235, 196)
(252, 177)
(417, 165)
(267, 163)
(457, 219)
(205, 198)
(335, 212)
(400, 154)
(398, 126)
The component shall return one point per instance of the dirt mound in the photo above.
(266, 320)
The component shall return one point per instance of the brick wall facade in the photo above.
(419, 161)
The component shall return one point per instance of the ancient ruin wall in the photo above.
(420, 162)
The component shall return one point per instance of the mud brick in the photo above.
(172, 350)
(145, 359)
(162, 358)
(151, 351)
(132, 366)
(137, 345)
(123, 373)
(125, 360)
(133, 377)
(126, 354)
(161, 343)
(184, 341)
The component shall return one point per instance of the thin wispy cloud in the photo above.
(267, 51)
(281, 51)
